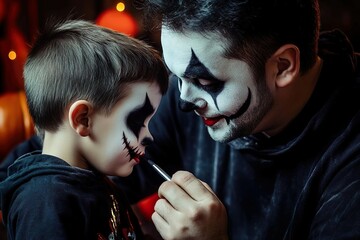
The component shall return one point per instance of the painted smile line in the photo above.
(211, 121)
(133, 152)
(242, 110)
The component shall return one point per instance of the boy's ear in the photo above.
(80, 117)
(287, 59)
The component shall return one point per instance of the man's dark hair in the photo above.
(255, 29)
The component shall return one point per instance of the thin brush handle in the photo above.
(159, 170)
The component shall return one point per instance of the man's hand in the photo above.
(189, 209)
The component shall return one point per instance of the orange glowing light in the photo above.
(119, 21)
(12, 55)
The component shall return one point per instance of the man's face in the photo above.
(222, 91)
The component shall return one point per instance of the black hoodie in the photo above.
(43, 197)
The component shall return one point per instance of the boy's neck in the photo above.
(63, 144)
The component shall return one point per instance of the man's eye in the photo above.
(207, 85)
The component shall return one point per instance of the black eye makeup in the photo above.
(136, 118)
(202, 78)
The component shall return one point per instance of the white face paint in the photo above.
(117, 140)
(227, 96)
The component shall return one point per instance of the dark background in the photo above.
(343, 14)
(19, 27)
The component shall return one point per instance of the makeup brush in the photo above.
(159, 170)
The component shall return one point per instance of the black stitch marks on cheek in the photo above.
(133, 153)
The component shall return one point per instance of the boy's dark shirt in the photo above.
(45, 198)
(32, 144)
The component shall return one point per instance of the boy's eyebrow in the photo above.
(196, 69)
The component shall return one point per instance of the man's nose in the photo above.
(190, 97)
(186, 106)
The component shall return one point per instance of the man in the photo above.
(272, 124)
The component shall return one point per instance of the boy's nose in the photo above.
(147, 141)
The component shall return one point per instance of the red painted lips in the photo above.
(211, 121)
(138, 158)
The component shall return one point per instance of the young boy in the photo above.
(91, 93)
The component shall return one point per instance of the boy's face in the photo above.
(225, 93)
(119, 139)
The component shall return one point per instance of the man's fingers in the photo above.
(188, 209)
(166, 219)
(161, 225)
(175, 195)
(187, 194)
(163, 208)
(195, 188)
(208, 187)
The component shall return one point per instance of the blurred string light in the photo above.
(120, 6)
(12, 55)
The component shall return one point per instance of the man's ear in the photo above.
(80, 117)
(287, 63)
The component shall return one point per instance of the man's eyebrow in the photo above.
(196, 69)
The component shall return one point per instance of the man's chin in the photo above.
(219, 136)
